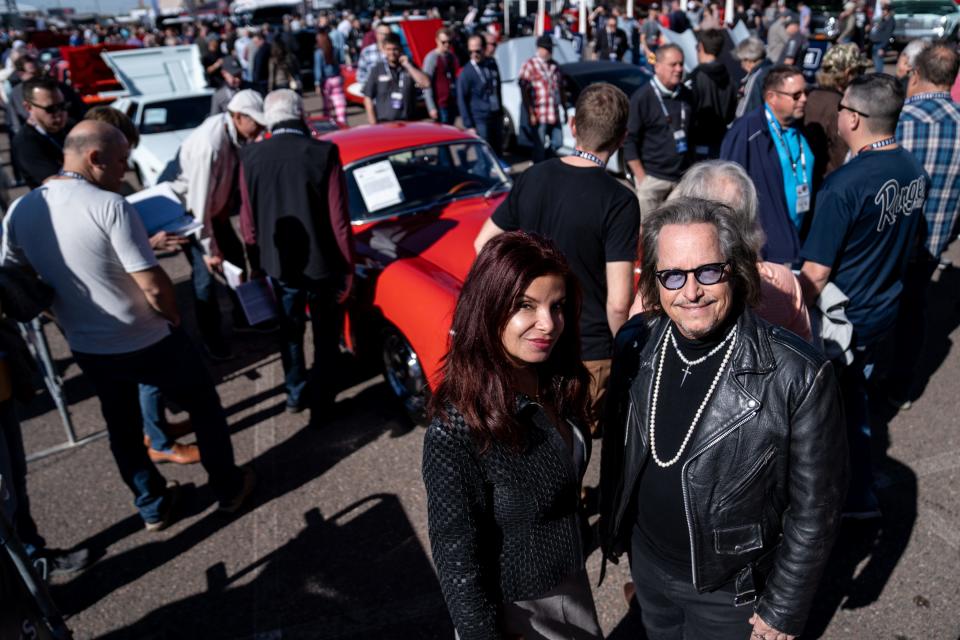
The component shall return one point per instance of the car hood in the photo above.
(444, 238)
(163, 146)
(154, 70)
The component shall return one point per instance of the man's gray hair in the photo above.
(752, 50)
(727, 183)
(913, 49)
(734, 245)
(281, 105)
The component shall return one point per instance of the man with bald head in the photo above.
(117, 309)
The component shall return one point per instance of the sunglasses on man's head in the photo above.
(52, 109)
(707, 274)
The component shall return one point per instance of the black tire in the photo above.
(404, 375)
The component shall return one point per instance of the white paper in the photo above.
(739, 33)
(232, 274)
(378, 185)
(687, 42)
(256, 299)
(161, 210)
(155, 116)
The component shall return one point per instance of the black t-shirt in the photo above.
(868, 220)
(592, 218)
(392, 91)
(661, 525)
(651, 133)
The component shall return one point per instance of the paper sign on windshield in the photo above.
(155, 116)
(378, 185)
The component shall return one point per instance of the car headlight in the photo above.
(938, 31)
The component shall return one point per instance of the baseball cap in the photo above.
(790, 19)
(545, 42)
(841, 57)
(232, 66)
(249, 103)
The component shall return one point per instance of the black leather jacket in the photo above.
(766, 474)
(503, 525)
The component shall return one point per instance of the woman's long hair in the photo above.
(326, 46)
(477, 371)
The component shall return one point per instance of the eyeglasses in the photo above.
(443, 41)
(841, 107)
(52, 109)
(476, 52)
(708, 274)
(796, 95)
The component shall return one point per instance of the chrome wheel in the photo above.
(404, 374)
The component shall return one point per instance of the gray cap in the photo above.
(249, 103)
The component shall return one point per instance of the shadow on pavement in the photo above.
(294, 462)
(359, 573)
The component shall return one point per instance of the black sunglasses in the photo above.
(796, 95)
(52, 109)
(841, 107)
(708, 274)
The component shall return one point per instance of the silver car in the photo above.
(936, 19)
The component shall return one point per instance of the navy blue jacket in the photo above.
(474, 96)
(748, 143)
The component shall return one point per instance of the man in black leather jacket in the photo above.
(724, 462)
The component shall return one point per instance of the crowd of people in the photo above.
(786, 234)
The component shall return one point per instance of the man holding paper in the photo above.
(295, 212)
(207, 183)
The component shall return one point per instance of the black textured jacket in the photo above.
(503, 525)
(766, 475)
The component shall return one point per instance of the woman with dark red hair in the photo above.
(505, 452)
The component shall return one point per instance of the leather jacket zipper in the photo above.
(685, 492)
(633, 479)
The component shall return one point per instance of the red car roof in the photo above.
(365, 141)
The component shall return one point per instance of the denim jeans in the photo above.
(491, 130)
(853, 388)
(206, 306)
(174, 366)
(152, 407)
(549, 138)
(446, 115)
(13, 468)
(326, 320)
(878, 52)
(911, 328)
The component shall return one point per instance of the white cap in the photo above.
(249, 103)
(281, 105)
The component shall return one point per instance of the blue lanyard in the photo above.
(586, 155)
(786, 149)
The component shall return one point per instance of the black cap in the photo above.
(232, 66)
(545, 42)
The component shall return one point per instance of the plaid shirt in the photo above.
(544, 79)
(929, 128)
(370, 56)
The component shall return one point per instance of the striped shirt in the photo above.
(929, 128)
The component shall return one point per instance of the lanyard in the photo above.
(586, 155)
(666, 114)
(71, 174)
(793, 161)
(399, 80)
(281, 131)
(879, 144)
(484, 73)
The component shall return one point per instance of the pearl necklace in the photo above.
(699, 360)
(703, 405)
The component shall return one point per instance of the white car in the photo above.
(166, 96)
(576, 76)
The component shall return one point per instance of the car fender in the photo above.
(418, 299)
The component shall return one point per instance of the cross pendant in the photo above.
(686, 372)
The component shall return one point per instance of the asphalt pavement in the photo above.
(335, 543)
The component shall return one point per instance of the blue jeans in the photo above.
(206, 306)
(13, 469)
(878, 52)
(326, 321)
(446, 115)
(174, 366)
(152, 407)
(911, 328)
(491, 130)
(547, 140)
(853, 388)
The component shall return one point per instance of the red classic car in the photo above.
(419, 193)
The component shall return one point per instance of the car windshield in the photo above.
(628, 79)
(420, 178)
(913, 8)
(174, 115)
